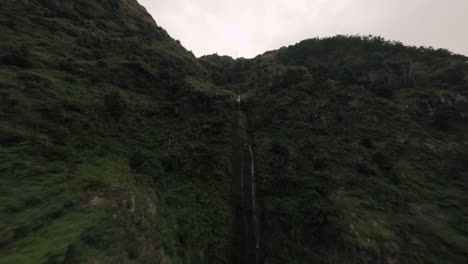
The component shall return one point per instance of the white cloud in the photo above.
(250, 27)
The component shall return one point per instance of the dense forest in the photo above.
(118, 145)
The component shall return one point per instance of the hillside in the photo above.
(110, 148)
(361, 150)
(117, 145)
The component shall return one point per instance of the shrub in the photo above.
(363, 168)
(382, 160)
(367, 142)
(70, 65)
(136, 160)
(449, 76)
(382, 90)
(443, 117)
(34, 81)
(293, 75)
(115, 104)
(19, 56)
(345, 75)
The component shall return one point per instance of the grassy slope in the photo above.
(100, 108)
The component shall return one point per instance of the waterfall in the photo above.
(246, 228)
(241, 124)
(254, 201)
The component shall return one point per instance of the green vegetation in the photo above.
(110, 151)
(358, 144)
(116, 144)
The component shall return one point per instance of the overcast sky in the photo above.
(246, 28)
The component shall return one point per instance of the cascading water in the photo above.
(254, 199)
(246, 228)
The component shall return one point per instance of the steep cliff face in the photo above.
(117, 145)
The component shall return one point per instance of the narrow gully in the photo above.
(246, 226)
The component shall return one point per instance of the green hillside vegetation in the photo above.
(360, 144)
(116, 144)
(109, 152)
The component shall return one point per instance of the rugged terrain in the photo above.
(117, 145)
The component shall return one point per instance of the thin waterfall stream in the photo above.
(246, 227)
(254, 198)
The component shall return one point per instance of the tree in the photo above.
(19, 56)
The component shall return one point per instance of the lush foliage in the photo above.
(116, 144)
(112, 143)
(359, 143)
